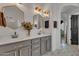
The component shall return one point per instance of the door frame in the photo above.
(68, 30)
(69, 40)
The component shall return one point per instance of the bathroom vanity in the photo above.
(25, 46)
(34, 45)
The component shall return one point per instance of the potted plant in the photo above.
(27, 26)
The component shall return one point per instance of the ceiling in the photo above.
(66, 9)
(70, 8)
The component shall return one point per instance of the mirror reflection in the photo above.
(14, 16)
(38, 21)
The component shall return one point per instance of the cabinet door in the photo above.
(48, 43)
(43, 45)
(10, 53)
(36, 52)
(36, 47)
(25, 51)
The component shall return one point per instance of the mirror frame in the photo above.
(3, 9)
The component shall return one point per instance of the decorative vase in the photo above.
(28, 32)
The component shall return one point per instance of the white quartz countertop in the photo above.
(8, 40)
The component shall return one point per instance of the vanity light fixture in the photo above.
(46, 13)
(42, 12)
(38, 9)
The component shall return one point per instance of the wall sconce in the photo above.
(46, 13)
(38, 9)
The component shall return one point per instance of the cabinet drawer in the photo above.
(23, 43)
(36, 52)
(35, 40)
(35, 45)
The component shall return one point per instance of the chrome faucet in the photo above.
(15, 35)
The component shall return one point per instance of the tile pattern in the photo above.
(72, 50)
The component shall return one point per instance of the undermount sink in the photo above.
(14, 36)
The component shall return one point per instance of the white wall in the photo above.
(69, 9)
(56, 16)
(28, 11)
(69, 29)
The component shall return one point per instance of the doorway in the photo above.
(63, 34)
(74, 29)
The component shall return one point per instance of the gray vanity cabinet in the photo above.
(32, 47)
(45, 44)
(36, 52)
(48, 43)
(8, 50)
(25, 51)
(10, 53)
(24, 48)
(36, 47)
